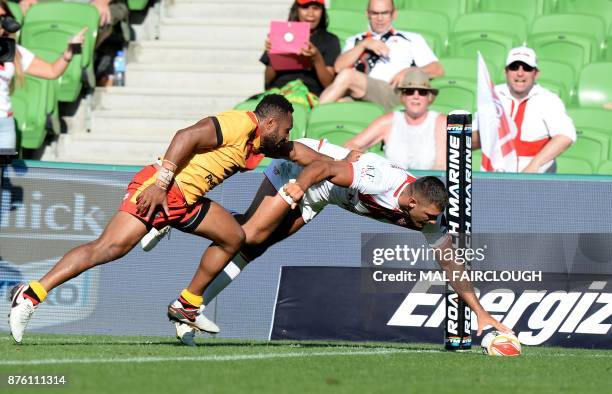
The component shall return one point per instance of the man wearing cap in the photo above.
(544, 130)
(374, 63)
(415, 137)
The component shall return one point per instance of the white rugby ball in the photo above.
(496, 343)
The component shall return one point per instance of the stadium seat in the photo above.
(592, 118)
(601, 8)
(595, 85)
(491, 34)
(46, 30)
(605, 168)
(300, 117)
(433, 26)
(528, 9)
(338, 122)
(36, 111)
(558, 77)
(588, 149)
(452, 8)
(355, 5)
(345, 23)
(137, 5)
(573, 165)
(568, 38)
(14, 7)
(466, 68)
(455, 94)
(476, 159)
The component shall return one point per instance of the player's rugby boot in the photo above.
(193, 317)
(153, 237)
(21, 311)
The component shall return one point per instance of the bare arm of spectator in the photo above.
(348, 58)
(557, 145)
(26, 4)
(325, 74)
(103, 10)
(376, 132)
(42, 69)
(475, 140)
(440, 137)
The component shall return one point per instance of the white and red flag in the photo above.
(497, 130)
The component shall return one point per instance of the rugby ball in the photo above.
(496, 343)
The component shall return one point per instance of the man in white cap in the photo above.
(544, 130)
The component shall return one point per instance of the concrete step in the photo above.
(235, 80)
(163, 100)
(191, 53)
(237, 9)
(118, 150)
(231, 31)
(143, 124)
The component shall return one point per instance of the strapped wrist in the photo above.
(164, 178)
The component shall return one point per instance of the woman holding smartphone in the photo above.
(322, 50)
(24, 62)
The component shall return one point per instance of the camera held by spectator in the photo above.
(7, 44)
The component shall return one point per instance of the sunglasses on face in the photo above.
(515, 66)
(410, 92)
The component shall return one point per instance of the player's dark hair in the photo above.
(273, 104)
(432, 189)
(293, 16)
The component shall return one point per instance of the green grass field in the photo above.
(159, 365)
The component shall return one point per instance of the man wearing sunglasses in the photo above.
(544, 130)
(373, 63)
(413, 137)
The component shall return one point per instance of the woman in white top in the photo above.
(415, 137)
(25, 62)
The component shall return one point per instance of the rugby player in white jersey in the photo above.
(371, 186)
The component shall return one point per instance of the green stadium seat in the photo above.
(491, 34)
(14, 7)
(137, 5)
(466, 68)
(595, 85)
(598, 119)
(476, 159)
(46, 30)
(529, 9)
(345, 23)
(573, 165)
(600, 8)
(338, 122)
(354, 5)
(605, 168)
(568, 38)
(433, 26)
(558, 77)
(300, 117)
(35, 108)
(452, 8)
(455, 94)
(588, 149)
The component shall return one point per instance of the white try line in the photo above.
(213, 358)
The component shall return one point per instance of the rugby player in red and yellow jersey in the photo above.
(172, 192)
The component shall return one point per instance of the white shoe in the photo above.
(21, 311)
(185, 333)
(192, 317)
(151, 239)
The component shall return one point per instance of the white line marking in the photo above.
(229, 357)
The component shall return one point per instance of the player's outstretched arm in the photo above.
(337, 172)
(300, 153)
(197, 138)
(464, 288)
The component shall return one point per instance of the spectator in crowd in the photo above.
(374, 63)
(25, 62)
(322, 50)
(544, 130)
(414, 137)
(113, 19)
